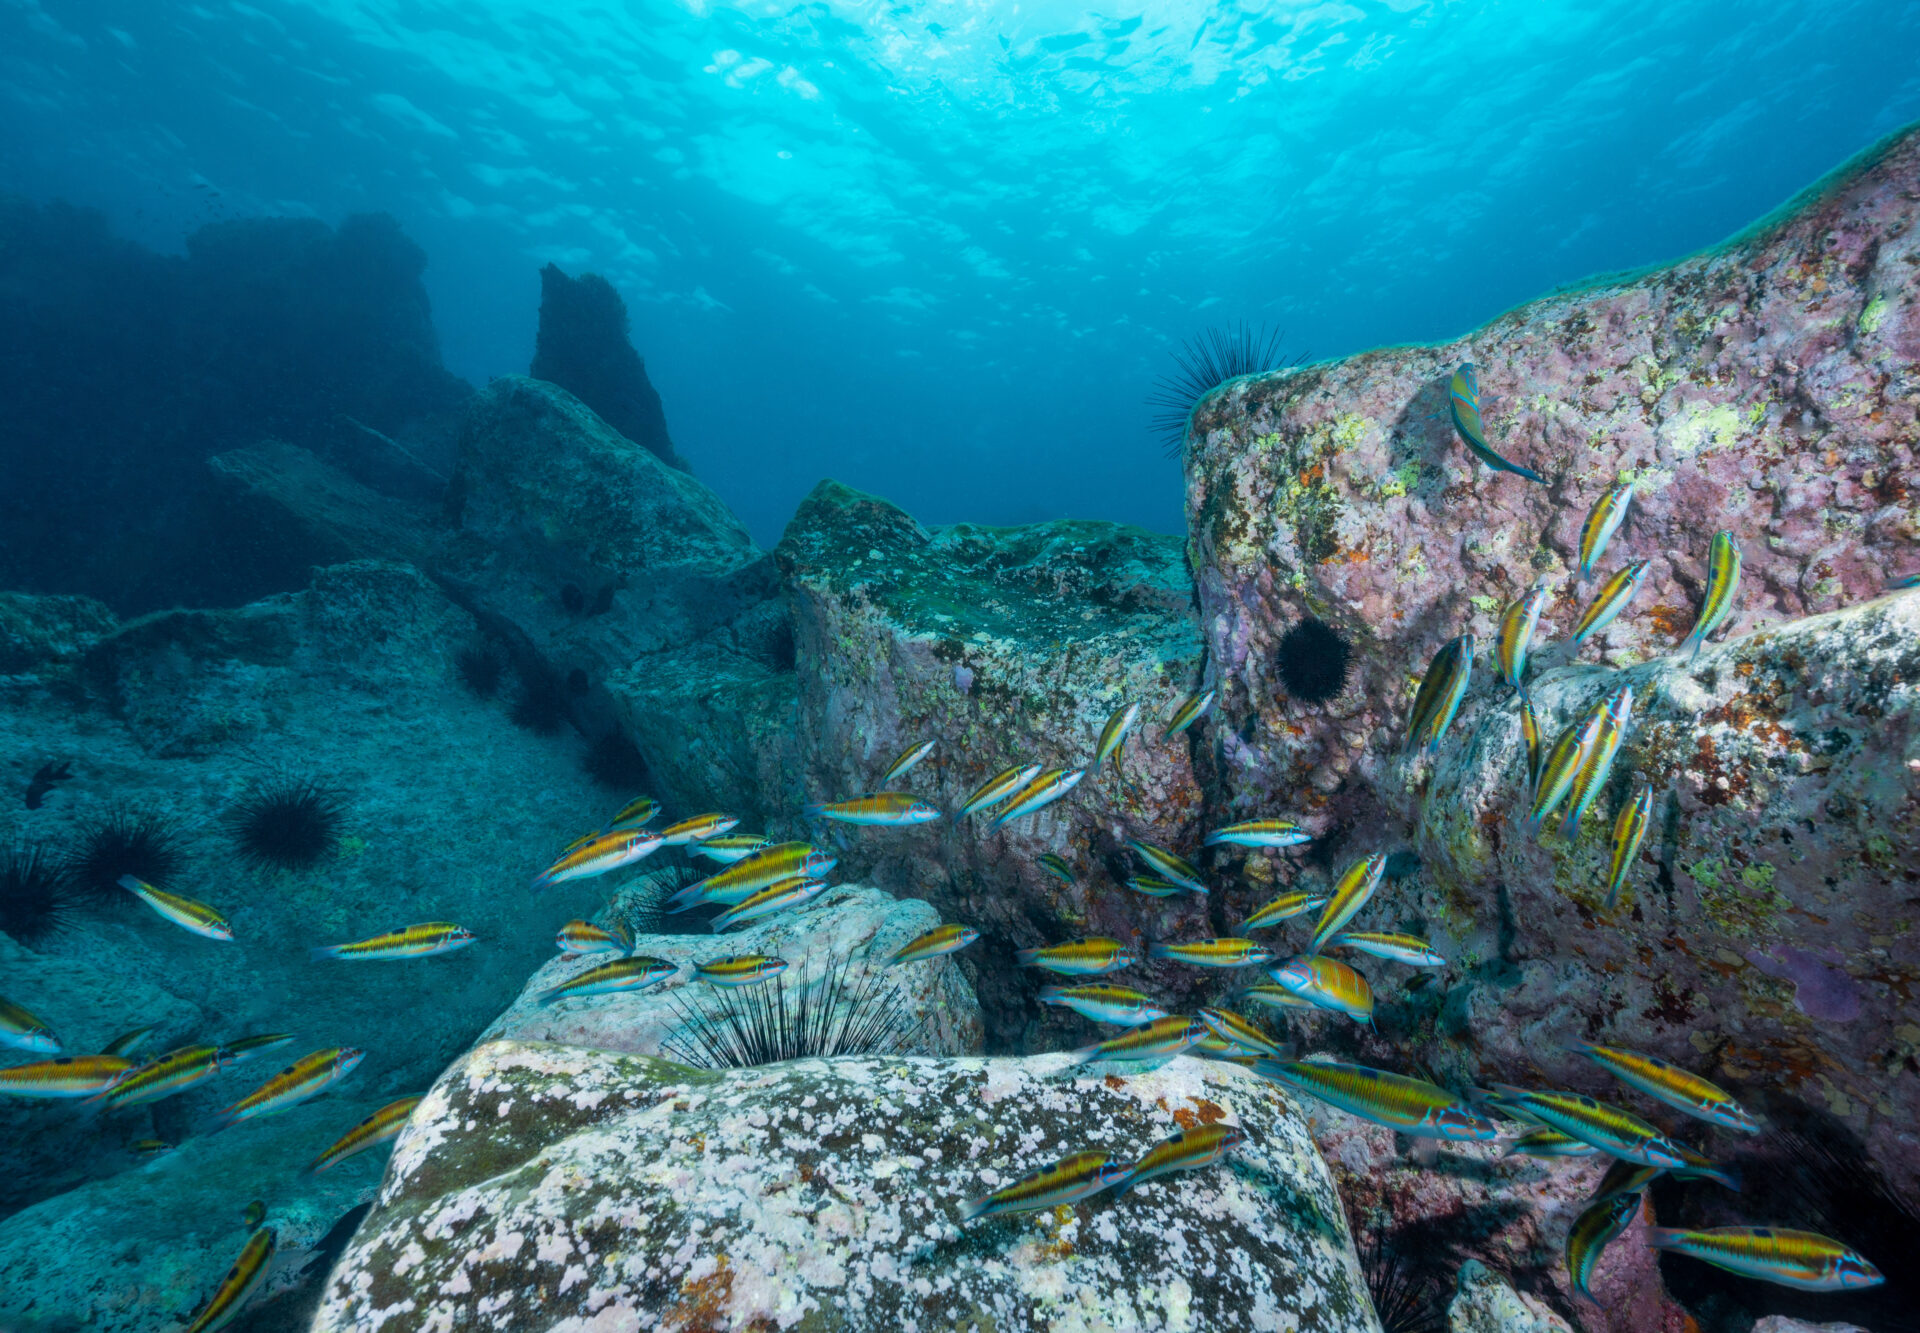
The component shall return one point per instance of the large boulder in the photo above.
(847, 929)
(1767, 387)
(548, 1187)
(1004, 645)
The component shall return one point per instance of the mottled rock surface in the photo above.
(545, 1187)
(448, 810)
(1767, 386)
(1005, 645)
(1484, 1303)
(860, 927)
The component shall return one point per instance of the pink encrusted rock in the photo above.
(1768, 387)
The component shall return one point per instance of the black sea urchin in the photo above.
(1313, 661)
(140, 843)
(287, 822)
(1202, 365)
(614, 761)
(36, 896)
(481, 666)
(1406, 1296)
(839, 1013)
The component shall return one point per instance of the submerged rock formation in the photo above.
(1005, 646)
(583, 346)
(547, 1187)
(1767, 387)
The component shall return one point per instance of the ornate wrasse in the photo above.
(67, 1076)
(1040, 793)
(1530, 737)
(1440, 692)
(382, 1126)
(1228, 951)
(1056, 865)
(1284, 908)
(597, 854)
(752, 873)
(1463, 405)
(637, 813)
(1118, 1005)
(1350, 893)
(1587, 783)
(1090, 957)
(306, 1077)
(1395, 948)
(698, 829)
(163, 1076)
(1610, 601)
(128, 1042)
(1002, 786)
(1802, 1259)
(1326, 983)
(731, 848)
(1515, 636)
(1196, 707)
(1665, 1082)
(1592, 1231)
(1616, 1132)
(882, 809)
(1623, 844)
(1260, 833)
(1237, 1031)
(1167, 865)
(421, 940)
(20, 1030)
(1114, 734)
(1723, 584)
(1188, 1150)
(935, 943)
(1064, 1181)
(1155, 887)
(1412, 1106)
(239, 1283)
(1602, 522)
(1561, 767)
(186, 913)
(621, 974)
(242, 1049)
(793, 891)
(1147, 1046)
(746, 969)
(910, 756)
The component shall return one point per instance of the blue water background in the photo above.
(939, 250)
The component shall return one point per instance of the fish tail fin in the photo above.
(1026, 957)
(543, 880)
(720, 923)
(686, 897)
(1526, 472)
(974, 1208)
(1613, 899)
(1127, 1181)
(1662, 1238)
(129, 883)
(548, 996)
(320, 953)
(813, 810)
(1698, 643)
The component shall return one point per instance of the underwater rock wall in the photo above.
(546, 1186)
(1768, 387)
(1004, 645)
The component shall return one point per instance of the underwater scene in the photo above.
(959, 665)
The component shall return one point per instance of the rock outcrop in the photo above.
(547, 1187)
(1767, 387)
(582, 345)
(859, 928)
(1004, 645)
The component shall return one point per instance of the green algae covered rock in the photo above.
(549, 1187)
(1004, 645)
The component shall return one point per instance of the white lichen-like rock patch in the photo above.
(551, 1187)
(849, 924)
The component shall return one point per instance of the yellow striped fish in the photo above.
(163, 1076)
(1801, 1259)
(888, 809)
(1629, 829)
(1463, 404)
(1350, 893)
(307, 1077)
(1275, 997)
(1065, 1181)
(728, 850)
(1260, 833)
(248, 1271)
(1042, 792)
(735, 970)
(598, 854)
(383, 1126)
(620, 975)
(1284, 908)
(421, 940)
(1723, 584)
(21, 1030)
(1598, 764)
(637, 813)
(127, 1042)
(794, 891)
(1395, 948)
(747, 876)
(1552, 1143)
(698, 829)
(1515, 636)
(1155, 887)
(1230, 951)
(1326, 983)
(1237, 1031)
(1114, 734)
(1118, 1005)
(1056, 865)
(1412, 1106)
(1441, 690)
(1092, 957)
(1168, 866)
(148, 1149)
(935, 943)
(1563, 763)
(1671, 1084)
(1622, 1177)
(1610, 601)
(1000, 787)
(1604, 520)
(1613, 1131)
(1188, 1150)
(1148, 1046)
(242, 1049)
(583, 937)
(1598, 1224)
(912, 755)
(1530, 734)
(1196, 707)
(185, 913)
(68, 1076)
